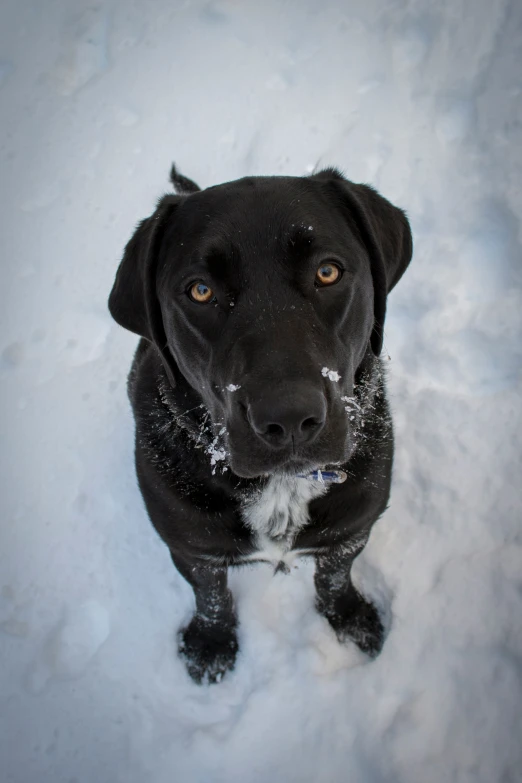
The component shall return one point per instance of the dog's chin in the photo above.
(289, 467)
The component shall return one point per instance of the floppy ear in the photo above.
(386, 234)
(133, 302)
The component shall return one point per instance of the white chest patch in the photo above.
(276, 514)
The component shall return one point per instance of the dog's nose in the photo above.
(297, 418)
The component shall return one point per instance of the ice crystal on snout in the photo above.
(232, 387)
(332, 375)
(352, 404)
(216, 453)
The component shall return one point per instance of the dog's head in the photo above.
(266, 295)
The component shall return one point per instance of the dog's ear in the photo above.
(386, 234)
(133, 301)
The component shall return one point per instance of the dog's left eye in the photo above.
(327, 274)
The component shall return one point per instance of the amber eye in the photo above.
(201, 293)
(327, 274)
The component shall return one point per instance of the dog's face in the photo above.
(262, 285)
(266, 294)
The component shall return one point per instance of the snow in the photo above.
(332, 375)
(216, 453)
(423, 101)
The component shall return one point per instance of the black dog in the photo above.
(262, 427)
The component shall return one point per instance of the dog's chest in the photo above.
(276, 514)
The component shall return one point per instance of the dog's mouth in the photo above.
(325, 474)
(254, 463)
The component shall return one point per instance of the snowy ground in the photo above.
(424, 101)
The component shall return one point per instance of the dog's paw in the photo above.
(208, 650)
(359, 621)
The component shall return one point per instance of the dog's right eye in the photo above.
(199, 292)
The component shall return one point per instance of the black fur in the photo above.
(230, 392)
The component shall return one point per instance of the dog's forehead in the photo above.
(278, 192)
(256, 206)
(274, 220)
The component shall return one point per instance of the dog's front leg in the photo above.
(209, 643)
(349, 614)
